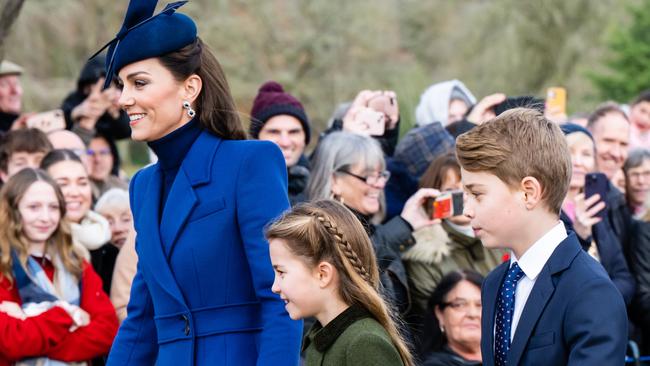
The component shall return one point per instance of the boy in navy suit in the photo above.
(551, 303)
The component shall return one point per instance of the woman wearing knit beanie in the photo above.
(279, 117)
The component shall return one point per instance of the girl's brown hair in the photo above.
(325, 230)
(11, 228)
(435, 174)
(215, 105)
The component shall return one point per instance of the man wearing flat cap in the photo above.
(11, 94)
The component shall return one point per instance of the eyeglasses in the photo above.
(638, 175)
(371, 180)
(99, 152)
(461, 305)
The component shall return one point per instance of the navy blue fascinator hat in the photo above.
(144, 35)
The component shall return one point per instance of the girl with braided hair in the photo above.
(325, 267)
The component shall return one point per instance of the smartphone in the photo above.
(372, 122)
(47, 121)
(597, 183)
(556, 100)
(385, 104)
(446, 205)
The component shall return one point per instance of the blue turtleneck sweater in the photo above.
(171, 151)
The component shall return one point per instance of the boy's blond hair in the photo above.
(519, 143)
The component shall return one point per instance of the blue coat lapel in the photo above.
(195, 170)
(149, 243)
(179, 205)
(540, 295)
(490, 292)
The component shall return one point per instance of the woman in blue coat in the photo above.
(202, 293)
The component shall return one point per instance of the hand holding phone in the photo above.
(47, 121)
(597, 183)
(386, 103)
(371, 121)
(446, 205)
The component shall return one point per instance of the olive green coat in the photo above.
(440, 249)
(353, 338)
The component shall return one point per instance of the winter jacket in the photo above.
(389, 240)
(640, 265)
(440, 249)
(298, 175)
(620, 220)
(447, 357)
(48, 334)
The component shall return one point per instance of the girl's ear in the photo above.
(192, 88)
(326, 274)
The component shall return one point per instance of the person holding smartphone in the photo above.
(372, 113)
(582, 211)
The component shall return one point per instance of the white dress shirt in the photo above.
(531, 263)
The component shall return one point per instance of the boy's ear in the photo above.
(532, 190)
(325, 273)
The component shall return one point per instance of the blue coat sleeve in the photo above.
(136, 342)
(261, 197)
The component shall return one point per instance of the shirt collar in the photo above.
(534, 259)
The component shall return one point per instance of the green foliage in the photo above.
(629, 64)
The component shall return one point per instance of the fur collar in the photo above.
(436, 242)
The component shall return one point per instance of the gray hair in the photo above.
(341, 151)
(111, 198)
(635, 159)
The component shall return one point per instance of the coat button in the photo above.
(187, 324)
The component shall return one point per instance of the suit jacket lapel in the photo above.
(490, 293)
(149, 243)
(195, 170)
(540, 295)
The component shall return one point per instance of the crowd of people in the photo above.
(394, 285)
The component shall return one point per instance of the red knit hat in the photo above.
(271, 100)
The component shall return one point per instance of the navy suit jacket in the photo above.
(202, 293)
(573, 316)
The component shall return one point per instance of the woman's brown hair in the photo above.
(325, 230)
(11, 229)
(215, 105)
(435, 174)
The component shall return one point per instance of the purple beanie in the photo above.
(271, 100)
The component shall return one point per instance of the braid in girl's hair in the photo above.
(345, 247)
(327, 231)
